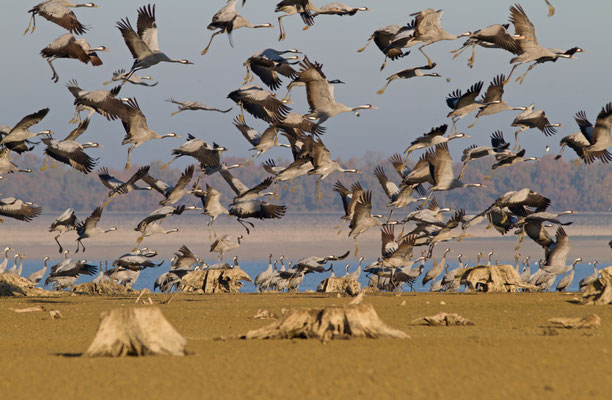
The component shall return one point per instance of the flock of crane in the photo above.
(521, 211)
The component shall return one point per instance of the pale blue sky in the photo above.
(406, 110)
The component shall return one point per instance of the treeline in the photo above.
(582, 188)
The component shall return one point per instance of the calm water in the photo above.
(311, 281)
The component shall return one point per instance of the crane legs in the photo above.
(381, 91)
(462, 49)
(168, 163)
(367, 44)
(81, 245)
(210, 41)
(127, 164)
(61, 249)
(521, 78)
(55, 77)
(474, 123)
(32, 23)
(426, 56)
(511, 72)
(517, 144)
(282, 34)
(176, 112)
(45, 165)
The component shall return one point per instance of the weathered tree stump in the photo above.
(590, 321)
(13, 285)
(340, 285)
(135, 332)
(492, 278)
(104, 288)
(222, 280)
(444, 319)
(350, 321)
(600, 290)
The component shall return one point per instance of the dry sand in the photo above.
(511, 352)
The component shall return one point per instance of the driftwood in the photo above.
(265, 314)
(590, 321)
(56, 314)
(350, 321)
(340, 285)
(444, 319)
(600, 290)
(105, 288)
(492, 278)
(222, 280)
(27, 309)
(135, 332)
(13, 285)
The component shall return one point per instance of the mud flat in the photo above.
(512, 351)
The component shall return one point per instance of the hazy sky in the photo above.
(408, 108)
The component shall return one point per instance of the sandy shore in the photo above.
(509, 353)
(295, 236)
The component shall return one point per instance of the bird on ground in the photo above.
(67, 46)
(18, 209)
(556, 257)
(65, 273)
(16, 269)
(498, 146)
(66, 222)
(433, 137)
(320, 93)
(7, 166)
(436, 269)
(259, 103)
(89, 228)
(137, 132)
(493, 100)
(35, 277)
(228, 20)
(268, 64)
(493, 37)
(585, 282)
(122, 75)
(531, 118)
(4, 263)
(69, 152)
(58, 12)
(144, 45)
(531, 51)
(262, 281)
(20, 133)
(410, 73)
(566, 281)
(225, 244)
(194, 106)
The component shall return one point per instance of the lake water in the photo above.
(311, 281)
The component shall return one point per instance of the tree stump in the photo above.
(590, 321)
(135, 332)
(600, 290)
(340, 285)
(13, 285)
(222, 280)
(444, 319)
(104, 288)
(350, 321)
(492, 278)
